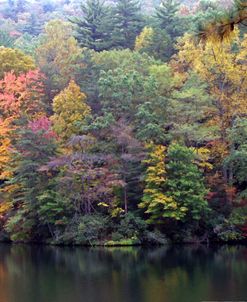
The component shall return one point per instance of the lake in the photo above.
(132, 274)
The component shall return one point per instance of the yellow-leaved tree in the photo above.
(154, 200)
(58, 56)
(144, 39)
(221, 67)
(14, 60)
(70, 110)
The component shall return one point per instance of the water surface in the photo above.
(167, 274)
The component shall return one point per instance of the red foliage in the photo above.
(21, 94)
(42, 124)
(244, 230)
(184, 11)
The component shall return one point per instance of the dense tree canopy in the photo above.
(118, 126)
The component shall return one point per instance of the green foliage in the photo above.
(27, 44)
(128, 23)
(33, 26)
(53, 210)
(155, 200)
(131, 133)
(185, 183)
(187, 108)
(92, 229)
(20, 226)
(93, 30)
(28, 182)
(121, 91)
(237, 159)
(170, 26)
(130, 226)
(58, 56)
(169, 19)
(177, 191)
(158, 44)
(5, 39)
(123, 242)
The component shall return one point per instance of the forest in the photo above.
(123, 122)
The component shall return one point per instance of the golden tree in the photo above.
(70, 110)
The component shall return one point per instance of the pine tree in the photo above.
(222, 23)
(166, 14)
(33, 26)
(20, 6)
(94, 29)
(128, 23)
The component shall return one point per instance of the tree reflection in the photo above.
(170, 273)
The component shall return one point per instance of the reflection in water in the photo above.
(167, 274)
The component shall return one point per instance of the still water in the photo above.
(167, 274)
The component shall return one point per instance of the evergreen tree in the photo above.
(20, 6)
(94, 29)
(128, 23)
(176, 190)
(166, 13)
(5, 39)
(156, 42)
(28, 181)
(169, 26)
(185, 183)
(221, 24)
(33, 26)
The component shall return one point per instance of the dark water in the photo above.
(176, 274)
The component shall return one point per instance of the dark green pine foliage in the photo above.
(221, 22)
(94, 28)
(33, 26)
(166, 13)
(128, 23)
(169, 25)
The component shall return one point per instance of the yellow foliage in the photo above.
(5, 207)
(59, 55)
(155, 201)
(223, 70)
(5, 148)
(70, 110)
(14, 60)
(203, 155)
(144, 39)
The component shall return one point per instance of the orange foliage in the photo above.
(20, 97)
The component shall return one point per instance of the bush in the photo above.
(123, 242)
(131, 226)
(92, 228)
(156, 237)
(116, 236)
